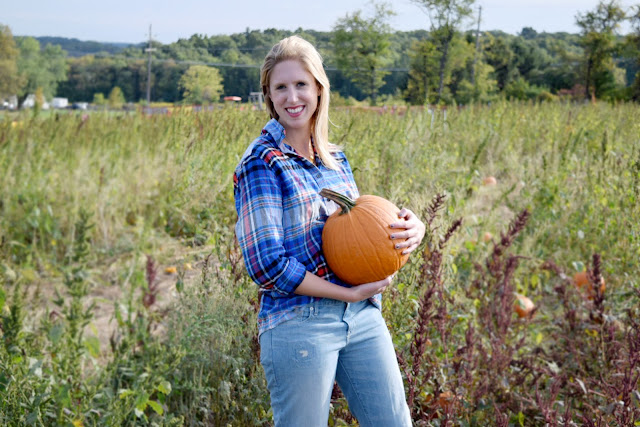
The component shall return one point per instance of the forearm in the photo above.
(314, 286)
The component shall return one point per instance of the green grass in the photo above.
(162, 186)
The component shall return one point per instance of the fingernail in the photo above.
(397, 246)
(393, 236)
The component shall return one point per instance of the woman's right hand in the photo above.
(367, 290)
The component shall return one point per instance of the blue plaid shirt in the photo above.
(281, 217)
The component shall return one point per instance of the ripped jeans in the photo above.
(332, 340)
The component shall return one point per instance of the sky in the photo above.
(128, 21)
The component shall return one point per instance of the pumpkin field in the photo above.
(124, 299)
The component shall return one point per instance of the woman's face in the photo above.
(294, 93)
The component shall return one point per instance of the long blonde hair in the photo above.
(297, 48)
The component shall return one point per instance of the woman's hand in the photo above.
(367, 290)
(409, 227)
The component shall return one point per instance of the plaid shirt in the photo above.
(280, 220)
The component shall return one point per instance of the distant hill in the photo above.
(75, 47)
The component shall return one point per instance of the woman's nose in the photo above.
(292, 95)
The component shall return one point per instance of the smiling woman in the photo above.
(314, 327)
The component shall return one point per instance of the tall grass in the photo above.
(160, 188)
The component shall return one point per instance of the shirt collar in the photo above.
(278, 133)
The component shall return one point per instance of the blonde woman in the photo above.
(314, 329)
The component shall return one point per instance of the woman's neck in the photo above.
(301, 142)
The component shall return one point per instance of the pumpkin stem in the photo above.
(345, 202)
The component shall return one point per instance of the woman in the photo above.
(314, 329)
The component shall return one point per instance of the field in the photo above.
(124, 300)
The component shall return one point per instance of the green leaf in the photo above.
(164, 387)
(92, 343)
(141, 401)
(142, 405)
(3, 298)
(521, 419)
(56, 332)
(156, 407)
(535, 280)
(123, 393)
(538, 338)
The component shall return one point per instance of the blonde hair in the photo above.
(297, 48)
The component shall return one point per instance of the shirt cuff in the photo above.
(291, 278)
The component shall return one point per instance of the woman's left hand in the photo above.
(410, 228)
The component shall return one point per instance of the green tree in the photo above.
(422, 72)
(116, 98)
(482, 90)
(362, 47)
(633, 41)
(40, 68)
(98, 99)
(201, 84)
(10, 80)
(598, 30)
(445, 16)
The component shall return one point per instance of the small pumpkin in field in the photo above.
(356, 239)
(489, 180)
(523, 306)
(581, 280)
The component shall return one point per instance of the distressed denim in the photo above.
(331, 340)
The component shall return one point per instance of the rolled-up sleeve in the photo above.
(259, 229)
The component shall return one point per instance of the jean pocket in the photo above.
(303, 313)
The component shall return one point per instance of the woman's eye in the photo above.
(302, 84)
(280, 87)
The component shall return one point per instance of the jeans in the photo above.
(331, 340)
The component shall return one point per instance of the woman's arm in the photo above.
(314, 286)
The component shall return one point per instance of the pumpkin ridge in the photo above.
(363, 257)
(378, 219)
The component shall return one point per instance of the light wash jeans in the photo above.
(331, 340)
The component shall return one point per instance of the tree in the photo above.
(98, 99)
(201, 84)
(445, 17)
(634, 44)
(40, 68)
(599, 29)
(422, 72)
(362, 47)
(116, 98)
(10, 81)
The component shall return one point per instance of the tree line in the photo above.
(365, 59)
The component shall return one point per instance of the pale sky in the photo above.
(128, 21)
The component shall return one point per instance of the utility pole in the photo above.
(149, 49)
(475, 55)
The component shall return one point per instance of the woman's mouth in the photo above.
(295, 111)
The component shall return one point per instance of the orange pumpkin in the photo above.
(581, 280)
(356, 239)
(523, 306)
(489, 180)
